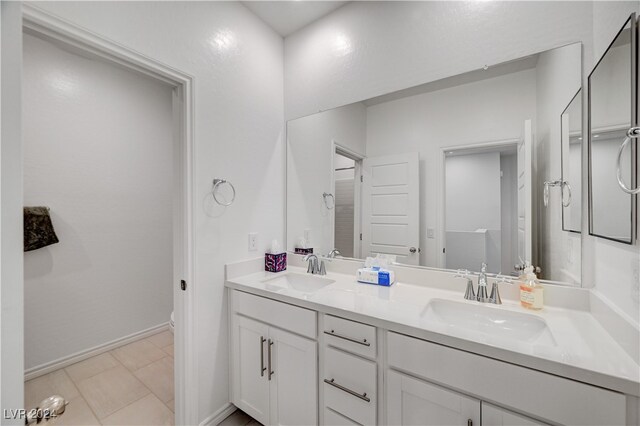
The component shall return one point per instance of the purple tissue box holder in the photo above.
(275, 262)
(299, 250)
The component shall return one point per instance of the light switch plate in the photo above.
(431, 233)
(253, 241)
(307, 236)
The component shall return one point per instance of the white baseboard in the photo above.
(217, 417)
(66, 361)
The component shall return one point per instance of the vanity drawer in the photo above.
(351, 390)
(540, 394)
(282, 315)
(333, 418)
(350, 336)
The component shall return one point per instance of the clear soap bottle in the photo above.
(531, 291)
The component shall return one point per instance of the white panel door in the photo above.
(249, 363)
(415, 402)
(525, 166)
(293, 379)
(495, 416)
(391, 207)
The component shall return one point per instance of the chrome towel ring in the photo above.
(327, 195)
(632, 133)
(562, 184)
(217, 183)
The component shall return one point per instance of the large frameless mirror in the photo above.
(611, 114)
(450, 174)
(571, 156)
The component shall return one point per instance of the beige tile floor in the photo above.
(131, 385)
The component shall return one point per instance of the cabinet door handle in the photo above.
(350, 339)
(269, 359)
(347, 390)
(262, 367)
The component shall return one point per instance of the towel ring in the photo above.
(562, 184)
(216, 184)
(632, 133)
(326, 195)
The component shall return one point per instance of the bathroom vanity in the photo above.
(309, 349)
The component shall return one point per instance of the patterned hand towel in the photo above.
(38, 229)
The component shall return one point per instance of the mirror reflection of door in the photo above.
(391, 207)
(482, 210)
(345, 187)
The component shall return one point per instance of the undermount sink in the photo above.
(305, 283)
(490, 321)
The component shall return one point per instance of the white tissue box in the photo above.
(376, 276)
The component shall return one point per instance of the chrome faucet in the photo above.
(316, 266)
(482, 284)
(334, 253)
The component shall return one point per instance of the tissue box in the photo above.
(376, 276)
(299, 250)
(275, 262)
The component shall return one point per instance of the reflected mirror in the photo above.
(610, 116)
(571, 155)
(448, 174)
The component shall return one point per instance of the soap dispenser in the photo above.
(531, 291)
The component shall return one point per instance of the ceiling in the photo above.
(287, 17)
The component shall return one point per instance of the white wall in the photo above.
(309, 170)
(11, 273)
(558, 76)
(473, 191)
(237, 65)
(98, 150)
(488, 110)
(366, 49)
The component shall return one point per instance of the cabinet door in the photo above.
(495, 416)
(293, 379)
(415, 402)
(249, 372)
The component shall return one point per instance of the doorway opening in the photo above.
(481, 207)
(124, 176)
(346, 189)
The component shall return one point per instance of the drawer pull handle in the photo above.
(350, 339)
(262, 367)
(271, 372)
(347, 390)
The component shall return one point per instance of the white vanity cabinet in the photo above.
(412, 401)
(522, 389)
(415, 402)
(273, 370)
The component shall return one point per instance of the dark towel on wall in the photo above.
(38, 229)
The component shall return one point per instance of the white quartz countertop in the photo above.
(580, 348)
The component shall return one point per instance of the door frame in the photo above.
(441, 195)
(43, 24)
(357, 195)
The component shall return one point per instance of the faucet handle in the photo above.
(321, 269)
(495, 290)
(462, 273)
(469, 293)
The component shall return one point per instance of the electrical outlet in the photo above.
(635, 283)
(253, 241)
(431, 233)
(307, 236)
